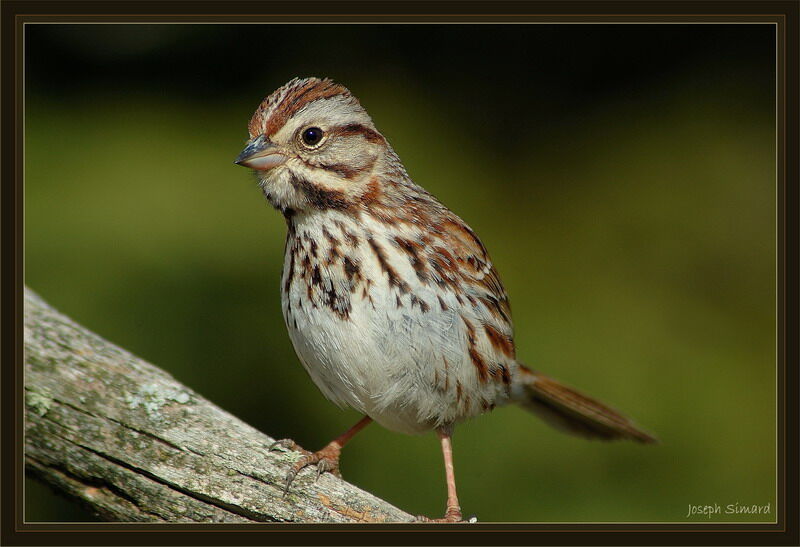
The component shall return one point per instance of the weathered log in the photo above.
(126, 439)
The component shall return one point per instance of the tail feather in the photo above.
(574, 412)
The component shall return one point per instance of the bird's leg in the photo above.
(326, 459)
(453, 511)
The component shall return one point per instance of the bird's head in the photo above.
(314, 147)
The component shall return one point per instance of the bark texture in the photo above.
(128, 440)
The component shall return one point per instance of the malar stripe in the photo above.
(317, 197)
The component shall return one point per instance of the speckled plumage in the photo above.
(391, 301)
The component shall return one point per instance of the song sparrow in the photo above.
(391, 301)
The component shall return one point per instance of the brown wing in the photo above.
(460, 261)
(479, 278)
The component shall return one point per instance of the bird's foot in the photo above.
(326, 460)
(288, 444)
(451, 516)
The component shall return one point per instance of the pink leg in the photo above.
(342, 439)
(326, 459)
(453, 512)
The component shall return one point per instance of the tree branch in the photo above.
(125, 438)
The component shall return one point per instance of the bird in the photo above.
(391, 301)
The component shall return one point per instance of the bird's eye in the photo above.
(312, 136)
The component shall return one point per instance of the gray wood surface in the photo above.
(125, 438)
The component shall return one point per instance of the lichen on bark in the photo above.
(125, 438)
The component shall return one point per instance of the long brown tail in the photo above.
(574, 412)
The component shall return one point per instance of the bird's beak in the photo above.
(260, 153)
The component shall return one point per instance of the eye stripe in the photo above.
(354, 129)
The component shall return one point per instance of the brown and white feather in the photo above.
(391, 300)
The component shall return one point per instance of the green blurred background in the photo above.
(622, 177)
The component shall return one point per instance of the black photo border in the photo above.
(15, 13)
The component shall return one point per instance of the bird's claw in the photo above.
(287, 444)
(289, 479)
(327, 465)
(451, 516)
(326, 460)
